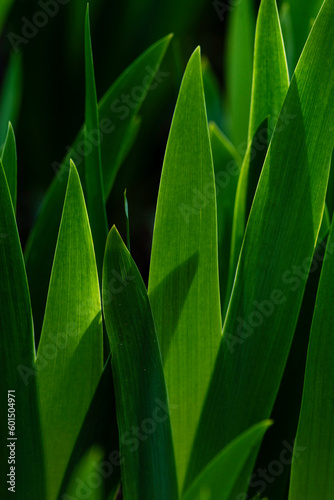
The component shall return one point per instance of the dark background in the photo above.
(53, 93)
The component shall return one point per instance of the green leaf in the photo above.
(227, 162)
(99, 429)
(288, 36)
(86, 482)
(239, 66)
(183, 279)
(220, 476)
(116, 122)
(10, 96)
(276, 254)
(17, 356)
(93, 162)
(314, 446)
(69, 358)
(212, 93)
(270, 74)
(140, 390)
(246, 188)
(4, 11)
(303, 15)
(9, 162)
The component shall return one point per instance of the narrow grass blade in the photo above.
(227, 162)
(265, 304)
(10, 96)
(93, 162)
(239, 68)
(69, 358)
(17, 356)
(270, 74)
(140, 390)
(220, 476)
(183, 279)
(311, 476)
(116, 121)
(9, 162)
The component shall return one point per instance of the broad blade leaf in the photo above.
(265, 304)
(69, 358)
(220, 476)
(9, 162)
(183, 280)
(140, 390)
(17, 356)
(93, 162)
(270, 74)
(116, 120)
(311, 476)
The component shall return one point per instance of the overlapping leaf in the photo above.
(183, 280)
(116, 121)
(220, 476)
(277, 252)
